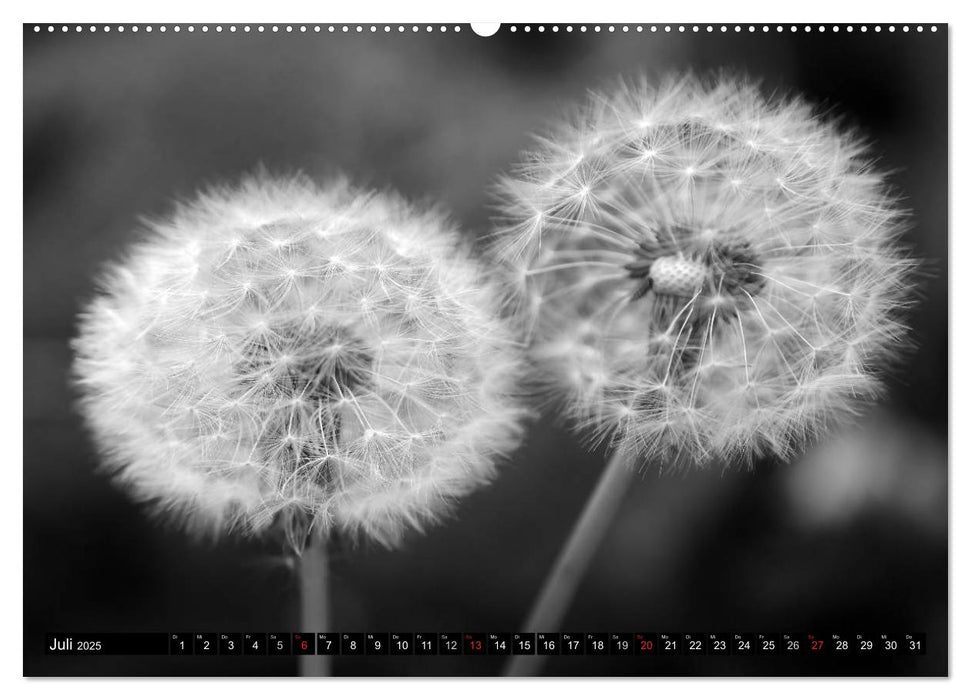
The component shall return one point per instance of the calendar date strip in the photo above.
(643, 644)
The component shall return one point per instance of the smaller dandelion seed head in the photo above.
(719, 277)
(360, 380)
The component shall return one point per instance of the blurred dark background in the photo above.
(851, 538)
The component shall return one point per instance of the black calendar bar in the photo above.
(380, 644)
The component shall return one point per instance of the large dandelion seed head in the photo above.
(705, 272)
(315, 359)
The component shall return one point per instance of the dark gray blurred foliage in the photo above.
(853, 538)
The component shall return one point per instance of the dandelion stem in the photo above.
(314, 603)
(574, 559)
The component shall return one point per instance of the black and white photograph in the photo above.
(514, 350)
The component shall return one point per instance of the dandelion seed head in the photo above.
(330, 359)
(719, 276)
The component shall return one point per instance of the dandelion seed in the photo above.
(734, 269)
(331, 359)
